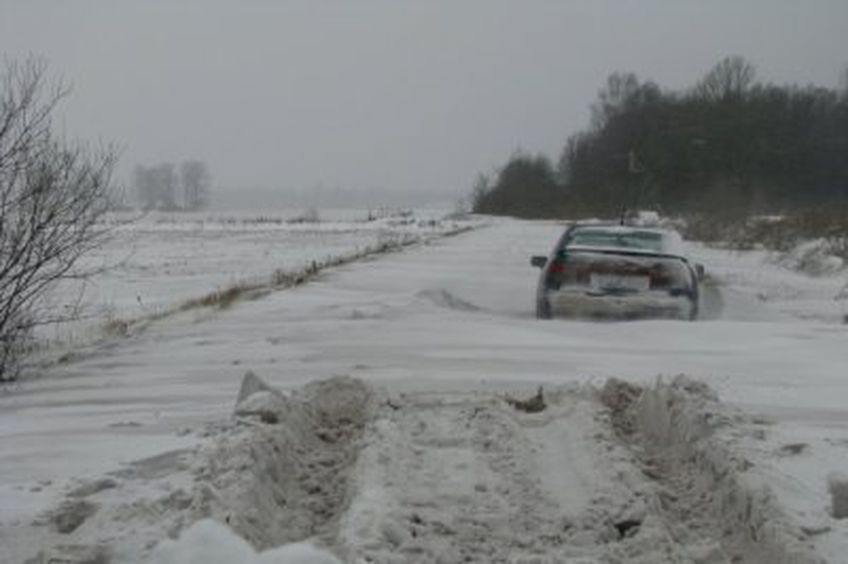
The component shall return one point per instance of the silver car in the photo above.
(619, 272)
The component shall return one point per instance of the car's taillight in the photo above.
(560, 271)
(557, 266)
(554, 272)
(666, 277)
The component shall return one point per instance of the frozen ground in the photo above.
(413, 454)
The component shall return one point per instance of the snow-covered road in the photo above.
(456, 314)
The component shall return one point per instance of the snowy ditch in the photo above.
(374, 474)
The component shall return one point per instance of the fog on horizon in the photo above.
(379, 96)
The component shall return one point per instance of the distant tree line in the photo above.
(167, 187)
(727, 143)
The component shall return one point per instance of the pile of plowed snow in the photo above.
(683, 435)
(341, 470)
(275, 474)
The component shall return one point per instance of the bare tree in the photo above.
(156, 186)
(52, 194)
(195, 179)
(729, 79)
(482, 186)
(165, 180)
(144, 185)
(843, 82)
(620, 89)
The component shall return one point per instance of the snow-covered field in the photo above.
(386, 435)
(154, 262)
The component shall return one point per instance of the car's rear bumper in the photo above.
(574, 302)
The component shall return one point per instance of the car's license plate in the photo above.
(619, 282)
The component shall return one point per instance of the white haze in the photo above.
(383, 95)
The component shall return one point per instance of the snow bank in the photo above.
(812, 257)
(281, 474)
(685, 433)
(276, 474)
(209, 542)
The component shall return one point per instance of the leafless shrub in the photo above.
(116, 327)
(52, 194)
(308, 216)
(720, 229)
(221, 299)
(781, 232)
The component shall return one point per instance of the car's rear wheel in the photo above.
(543, 310)
(694, 310)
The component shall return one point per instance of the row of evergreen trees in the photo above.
(729, 142)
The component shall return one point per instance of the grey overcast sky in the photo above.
(387, 94)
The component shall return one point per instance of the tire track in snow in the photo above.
(443, 478)
(627, 475)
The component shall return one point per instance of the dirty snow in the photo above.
(130, 440)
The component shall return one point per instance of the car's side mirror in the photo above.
(539, 261)
(699, 270)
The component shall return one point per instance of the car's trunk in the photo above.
(599, 283)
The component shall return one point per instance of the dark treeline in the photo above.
(728, 143)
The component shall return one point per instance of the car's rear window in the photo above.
(636, 240)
